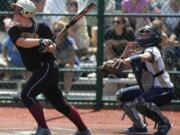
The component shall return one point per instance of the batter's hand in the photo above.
(44, 45)
(45, 42)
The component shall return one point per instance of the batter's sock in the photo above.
(38, 114)
(76, 119)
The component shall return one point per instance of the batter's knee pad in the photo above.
(151, 111)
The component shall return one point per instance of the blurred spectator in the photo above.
(79, 30)
(10, 54)
(170, 49)
(117, 37)
(94, 36)
(177, 31)
(4, 6)
(39, 4)
(171, 7)
(136, 6)
(118, 4)
(175, 36)
(7, 22)
(12, 58)
(110, 7)
(172, 55)
(39, 8)
(3, 35)
(65, 54)
(155, 5)
(165, 39)
(54, 7)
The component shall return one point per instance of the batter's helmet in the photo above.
(153, 37)
(28, 8)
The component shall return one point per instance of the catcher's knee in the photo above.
(119, 94)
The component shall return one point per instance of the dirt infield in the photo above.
(18, 121)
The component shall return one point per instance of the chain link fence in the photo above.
(102, 36)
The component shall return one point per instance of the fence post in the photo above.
(100, 54)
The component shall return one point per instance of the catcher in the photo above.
(154, 87)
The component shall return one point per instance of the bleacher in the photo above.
(83, 87)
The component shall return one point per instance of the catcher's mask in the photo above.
(27, 8)
(148, 36)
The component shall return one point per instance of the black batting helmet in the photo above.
(148, 36)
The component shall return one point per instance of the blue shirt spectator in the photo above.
(11, 54)
(64, 51)
(66, 56)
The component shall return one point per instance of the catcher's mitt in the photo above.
(110, 67)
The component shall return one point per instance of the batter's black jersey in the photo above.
(32, 57)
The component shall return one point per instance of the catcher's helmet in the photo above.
(148, 36)
(28, 8)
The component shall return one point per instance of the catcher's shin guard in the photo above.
(152, 111)
(133, 114)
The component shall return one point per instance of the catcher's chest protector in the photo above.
(138, 68)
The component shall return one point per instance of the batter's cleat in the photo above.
(163, 129)
(86, 132)
(135, 130)
(42, 131)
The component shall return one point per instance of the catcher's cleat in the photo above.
(163, 129)
(42, 131)
(86, 132)
(135, 130)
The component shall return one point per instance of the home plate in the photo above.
(24, 133)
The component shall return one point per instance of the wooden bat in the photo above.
(77, 17)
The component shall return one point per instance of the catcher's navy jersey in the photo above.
(32, 57)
